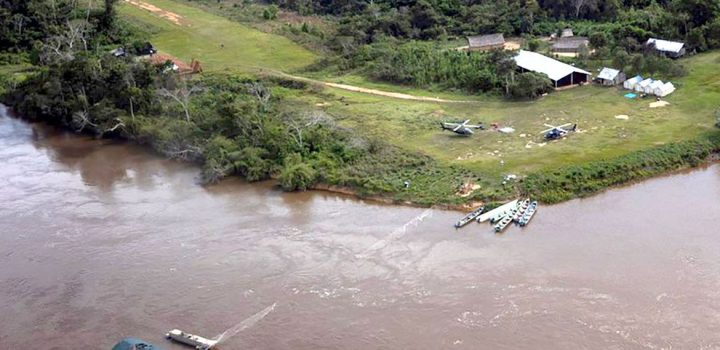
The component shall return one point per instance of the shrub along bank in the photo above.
(583, 180)
(232, 125)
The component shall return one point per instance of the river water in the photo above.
(101, 240)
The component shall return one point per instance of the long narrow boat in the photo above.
(469, 217)
(497, 212)
(504, 222)
(528, 214)
(196, 341)
(522, 208)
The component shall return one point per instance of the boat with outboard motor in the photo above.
(528, 214)
(521, 209)
(497, 213)
(504, 222)
(469, 217)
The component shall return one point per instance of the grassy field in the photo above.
(414, 126)
(201, 34)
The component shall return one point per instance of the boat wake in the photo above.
(245, 324)
(394, 235)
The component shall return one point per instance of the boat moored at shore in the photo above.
(521, 209)
(504, 222)
(469, 217)
(528, 214)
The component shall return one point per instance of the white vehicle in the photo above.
(198, 342)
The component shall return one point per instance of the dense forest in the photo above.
(379, 38)
(688, 20)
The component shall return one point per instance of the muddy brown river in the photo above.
(101, 240)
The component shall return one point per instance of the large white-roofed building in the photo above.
(668, 48)
(562, 74)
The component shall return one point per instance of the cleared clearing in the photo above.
(410, 117)
(218, 43)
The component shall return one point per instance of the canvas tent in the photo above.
(640, 87)
(664, 90)
(630, 83)
(650, 88)
(486, 42)
(672, 49)
(610, 77)
(561, 74)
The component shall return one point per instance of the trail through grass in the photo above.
(414, 124)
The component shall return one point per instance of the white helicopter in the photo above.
(462, 128)
(556, 132)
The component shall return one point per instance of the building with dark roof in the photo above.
(486, 42)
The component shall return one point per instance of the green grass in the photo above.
(414, 125)
(202, 34)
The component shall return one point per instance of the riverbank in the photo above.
(87, 227)
(549, 187)
(387, 147)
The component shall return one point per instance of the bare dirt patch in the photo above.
(161, 58)
(170, 16)
(659, 104)
(513, 43)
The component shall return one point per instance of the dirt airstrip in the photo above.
(170, 16)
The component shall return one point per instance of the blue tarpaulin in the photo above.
(630, 95)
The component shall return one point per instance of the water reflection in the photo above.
(101, 240)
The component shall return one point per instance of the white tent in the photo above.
(640, 87)
(650, 88)
(630, 83)
(664, 90)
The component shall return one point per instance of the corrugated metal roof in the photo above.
(665, 45)
(486, 40)
(572, 43)
(536, 62)
(608, 73)
(636, 79)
